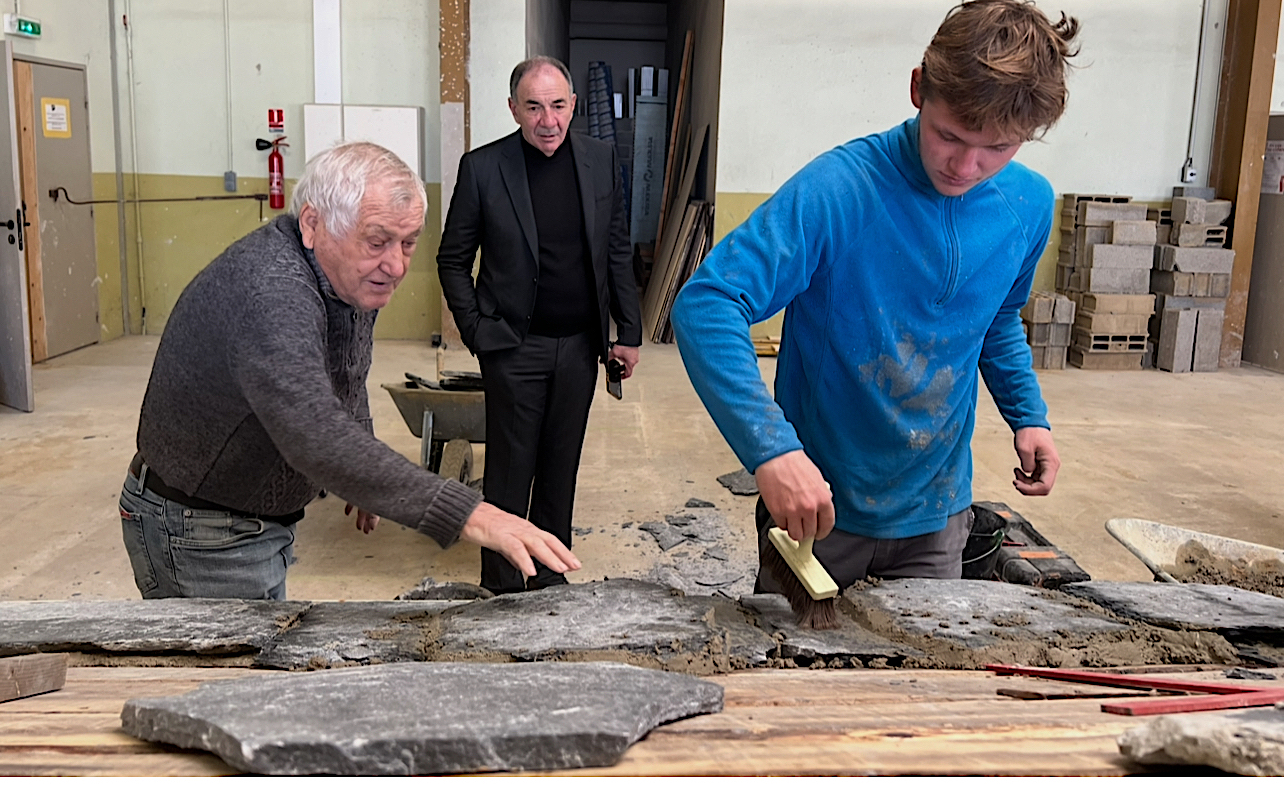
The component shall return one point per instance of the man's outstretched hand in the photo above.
(517, 540)
(1039, 461)
(796, 495)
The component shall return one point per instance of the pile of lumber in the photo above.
(691, 244)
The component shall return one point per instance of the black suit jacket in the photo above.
(491, 209)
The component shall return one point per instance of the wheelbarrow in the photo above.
(1175, 554)
(446, 422)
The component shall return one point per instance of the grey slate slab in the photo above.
(430, 589)
(424, 718)
(196, 626)
(1189, 605)
(739, 482)
(970, 623)
(337, 634)
(850, 645)
(1245, 742)
(620, 620)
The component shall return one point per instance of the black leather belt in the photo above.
(153, 483)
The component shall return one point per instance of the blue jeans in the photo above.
(178, 551)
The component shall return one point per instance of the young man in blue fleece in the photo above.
(901, 260)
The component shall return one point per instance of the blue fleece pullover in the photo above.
(893, 296)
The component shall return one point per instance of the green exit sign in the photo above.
(16, 25)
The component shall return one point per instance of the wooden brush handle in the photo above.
(804, 546)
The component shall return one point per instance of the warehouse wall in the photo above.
(845, 67)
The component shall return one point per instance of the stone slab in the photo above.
(415, 719)
(971, 623)
(850, 645)
(622, 620)
(740, 481)
(220, 627)
(338, 634)
(1191, 605)
(1246, 742)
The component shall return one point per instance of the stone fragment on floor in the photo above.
(972, 623)
(701, 555)
(740, 481)
(619, 620)
(1244, 742)
(338, 634)
(850, 645)
(205, 627)
(1191, 605)
(436, 718)
(430, 589)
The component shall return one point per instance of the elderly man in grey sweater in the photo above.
(257, 398)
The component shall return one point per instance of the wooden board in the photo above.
(673, 157)
(31, 674)
(669, 256)
(24, 109)
(793, 722)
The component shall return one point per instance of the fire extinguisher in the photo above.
(276, 174)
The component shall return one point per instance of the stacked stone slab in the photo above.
(1109, 253)
(1048, 319)
(1191, 281)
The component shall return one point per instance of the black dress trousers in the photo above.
(537, 406)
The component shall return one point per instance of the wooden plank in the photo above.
(24, 107)
(670, 252)
(794, 722)
(1239, 142)
(31, 674)
(672, 157)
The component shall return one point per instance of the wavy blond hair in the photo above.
(1001, 65)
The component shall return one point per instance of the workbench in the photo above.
(775, 722)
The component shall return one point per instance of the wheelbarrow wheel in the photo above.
(456, 461)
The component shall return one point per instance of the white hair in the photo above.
(335, 181)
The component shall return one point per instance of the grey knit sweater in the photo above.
(257, 398)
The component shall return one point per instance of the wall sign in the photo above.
(55, 115)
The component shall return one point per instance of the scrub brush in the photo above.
(804, 582)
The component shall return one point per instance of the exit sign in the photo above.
(16, 25)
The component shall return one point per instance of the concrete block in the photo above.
(1218, 211)
(1089, 235)
(1075, 198)
(1168, 302)
(1102, 214)
(1038, 309)
(1047, 334)
(424, 718)
(1176, 341)
(1106, 280)
(1132, 232)
(1204, 193)
(1208, 341)
(1195, 259)
(1063, 310)
(1104, 361)
(1163, 233)
(1188, 210)
(1086, 340)
(1174, 284)
(1113, 323)
(1121, 256)
(1048, 358)
(1219, 285)
(1063, 276)
(1116, 303)
(1198, 235)
(1160, 216)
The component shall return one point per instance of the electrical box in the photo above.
(27, 27)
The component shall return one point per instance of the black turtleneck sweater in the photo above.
(565, 302)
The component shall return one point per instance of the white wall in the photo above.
(799, 78)
(498, 29)
(390, 56)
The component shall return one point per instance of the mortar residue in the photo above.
(1195, 563)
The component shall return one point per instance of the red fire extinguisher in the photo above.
(276, 174)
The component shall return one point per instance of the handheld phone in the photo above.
(614, 378)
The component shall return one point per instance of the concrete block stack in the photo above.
(1191, 281)
(1048, 319)
(1107, 251)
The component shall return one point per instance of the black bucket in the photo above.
(981, 553)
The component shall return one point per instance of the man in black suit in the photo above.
(547, 210)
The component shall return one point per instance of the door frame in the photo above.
(15, 360)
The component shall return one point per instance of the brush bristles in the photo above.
(810, 613)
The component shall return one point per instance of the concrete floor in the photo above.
(1201, 451)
